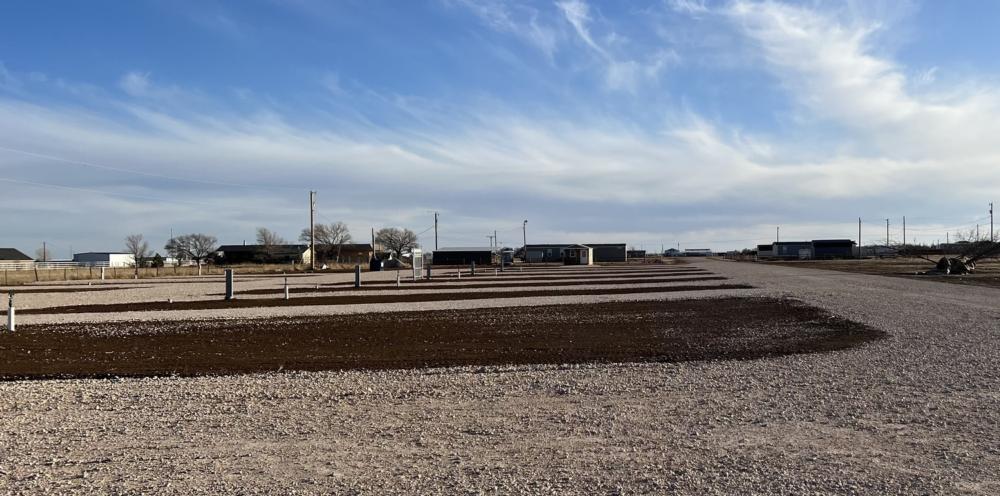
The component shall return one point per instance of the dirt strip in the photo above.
(515, 276)
(499, 284)
(659, 331)
(355, 299)
(63, 289)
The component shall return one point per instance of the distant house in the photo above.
(259, 254)
(463, 256)
(603, 252)
(104, 259)
(672, 252)
(13, 258)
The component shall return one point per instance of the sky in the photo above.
(657, 123)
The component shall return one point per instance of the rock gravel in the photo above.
(916, 413)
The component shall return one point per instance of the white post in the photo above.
(460, 273)
(397, 278)
(199, 267)
(286, 288)
(10, 312)
(102, 273)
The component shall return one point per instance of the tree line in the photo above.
(329, 238)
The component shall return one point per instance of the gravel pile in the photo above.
(915, 413)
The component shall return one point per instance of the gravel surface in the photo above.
(916, 413)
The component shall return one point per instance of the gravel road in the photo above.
(911, 414)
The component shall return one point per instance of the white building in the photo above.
(105, 259)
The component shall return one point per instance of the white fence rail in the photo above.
(30, 265)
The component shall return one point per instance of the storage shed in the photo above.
(463, 256)
(833, 248)
(793, 250)
(104, 259)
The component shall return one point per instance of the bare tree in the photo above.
(195, 247)
(42, 253)
(396, 240)
(268, 238)
(136, 246)
(334, 234)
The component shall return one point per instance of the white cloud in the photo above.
(135, 83)
(517, 19)
(620, 73)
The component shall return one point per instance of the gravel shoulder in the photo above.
(913, 413)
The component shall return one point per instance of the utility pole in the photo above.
(373, 243)
(904, 232)
(777, 234)
(435, 231)
(991, 223)
(524, 232)
(491, 240)
(312, 230)
(496, 242)
(45, 253)
(887, 233)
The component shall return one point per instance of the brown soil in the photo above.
(653, 331)
(528, 276)
(410, 285)
(353, 299)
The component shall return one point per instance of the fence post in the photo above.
(472, 268)
(357, 276)
(286, 288)
(397, 279)
(229, 284)
(10, 312)
(428, 272)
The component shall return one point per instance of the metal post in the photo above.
(428, 272)
(10, 312)
(102, 273)
(860, 255)
(459, 272)
(435, 230)
(312, 231)
(397, 279)
(229, 284)
(472, 268)
(357, 276)
(286, 288)
(524, 232)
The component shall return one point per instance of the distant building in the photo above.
(672, 252)
(765, 251)
(104, 259)
(349, 253)
(463, 256)
(259, 254)
(632, 254)
(578, 255)
(697, 252)
(793, 250)
(603, 252)
(832, 248)
(13, 258)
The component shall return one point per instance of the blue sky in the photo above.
(656, 122)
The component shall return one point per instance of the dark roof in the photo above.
(789, 243)
(464, 249)
(589, 245)
(353, 246)
(833, 241)
(13, 254)
(262, 248)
